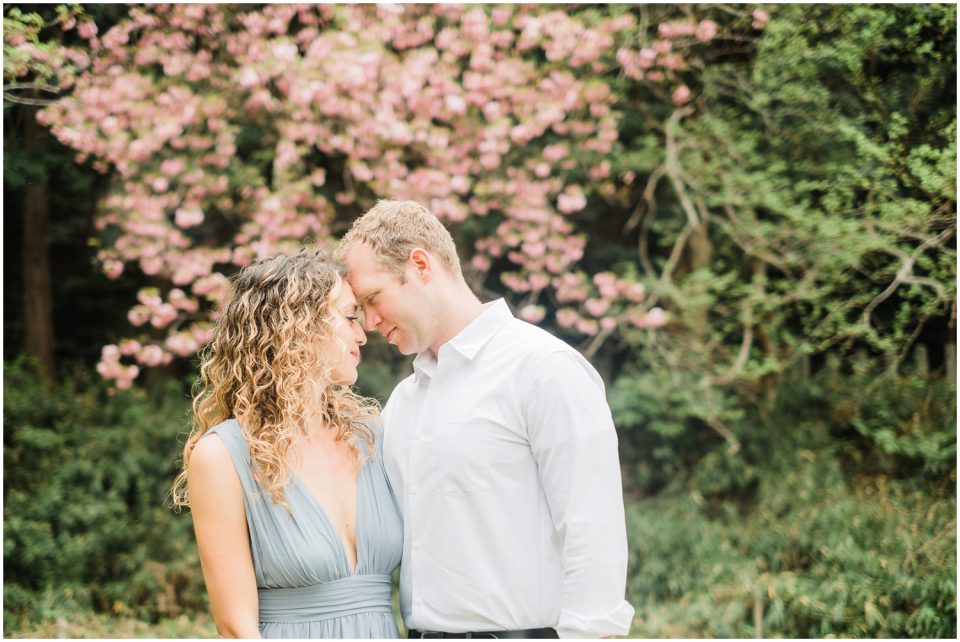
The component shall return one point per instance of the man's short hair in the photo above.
(393, 228)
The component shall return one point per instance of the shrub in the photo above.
(817, 557)
(837, 518)
(86, 474)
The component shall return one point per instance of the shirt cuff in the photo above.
(616, 622)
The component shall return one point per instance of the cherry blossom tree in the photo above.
(233, 134)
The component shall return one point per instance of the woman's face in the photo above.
(348, 336)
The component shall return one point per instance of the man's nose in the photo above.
(370, 321)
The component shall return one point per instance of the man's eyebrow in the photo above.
(361, 298)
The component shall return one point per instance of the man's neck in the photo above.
(463, 307)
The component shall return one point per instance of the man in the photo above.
(500, 448)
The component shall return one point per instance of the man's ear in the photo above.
(421, 261)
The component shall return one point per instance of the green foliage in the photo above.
(840, 188)
(897, 425)
(904, 427)
(874, 561)
(820, 170)
(86, 475)
(661, 416)
(41, 63)
(838, 518)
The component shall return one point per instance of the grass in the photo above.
(94, 625)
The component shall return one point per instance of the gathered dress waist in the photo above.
(347, 596)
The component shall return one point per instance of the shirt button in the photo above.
(417, 601)
(413, 490)
(416, 546)
(418, 435)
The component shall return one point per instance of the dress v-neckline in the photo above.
(329, 523)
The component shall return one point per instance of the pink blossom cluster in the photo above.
(662, 59)
(704, 31)
(760, 18)
(150, 355)
(235, 133)
(110, 367)
(602, 303)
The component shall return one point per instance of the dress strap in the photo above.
(347, 596)
(231, 433)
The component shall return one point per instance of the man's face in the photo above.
(393, 308)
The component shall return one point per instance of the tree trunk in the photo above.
(699, 248)
(37, 291)
(697, 255)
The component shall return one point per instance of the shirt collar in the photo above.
(468, 341)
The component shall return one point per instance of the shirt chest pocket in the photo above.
(473, 456)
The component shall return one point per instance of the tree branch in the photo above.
(905, 275)
(648, 200)
(672, 165)
(898, 361)
(746, 343)
(749, 248)
(646, 220)
(676, 252)
(30, 100)
(36, 102)
(598, 340)
(719, 426)
(38, 86)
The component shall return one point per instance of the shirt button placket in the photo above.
(420, 454)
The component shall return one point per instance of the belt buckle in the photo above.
(427, 635)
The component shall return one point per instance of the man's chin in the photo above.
(406, 349)
(399, 342)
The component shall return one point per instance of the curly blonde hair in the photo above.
(265, 368)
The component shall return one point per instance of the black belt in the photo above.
(495, 635)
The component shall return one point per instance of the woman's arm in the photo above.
(216, 502)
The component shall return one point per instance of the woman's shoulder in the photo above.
(230, 443)
(214, 480)
(211, 455)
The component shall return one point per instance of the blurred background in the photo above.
(744, 215)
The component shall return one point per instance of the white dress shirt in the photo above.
(503, 456)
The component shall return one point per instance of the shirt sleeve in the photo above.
(574, 442)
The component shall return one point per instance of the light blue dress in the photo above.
(304, 582)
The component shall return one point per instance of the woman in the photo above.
(297, 529)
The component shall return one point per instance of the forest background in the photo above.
(744, 215)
